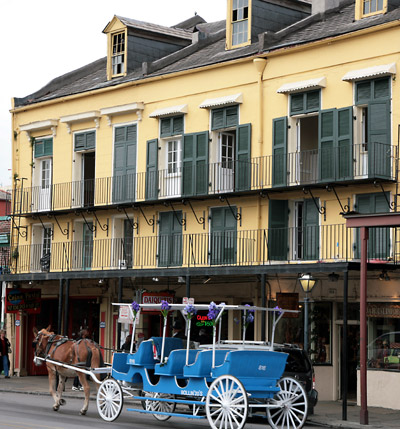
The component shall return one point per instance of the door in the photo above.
(87, 244)
(127, 244)
(124, 180)
(352, 358)
(45, 184)
(88, 178)
(223, 236)
(46, 249)
(171, 185)
(226, 166)
(170, 239)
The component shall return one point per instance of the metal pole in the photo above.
(363, 326)
(66, 308)
(263, 304)
(120, 288)
(306, 323)
(344, 345)
(60, 303)
(188, 286)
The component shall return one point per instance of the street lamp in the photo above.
(307, 282)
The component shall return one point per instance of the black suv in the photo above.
(299, 366)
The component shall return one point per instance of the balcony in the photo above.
(327, 244)
(364, 162)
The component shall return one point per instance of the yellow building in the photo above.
(215, 160)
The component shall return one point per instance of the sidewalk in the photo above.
(327, 414)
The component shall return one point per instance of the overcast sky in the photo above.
(43, 39)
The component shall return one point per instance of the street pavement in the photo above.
(326, 413)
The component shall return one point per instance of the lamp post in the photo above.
(307, 282)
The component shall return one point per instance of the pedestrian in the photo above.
(5, 349)
(126, 347)
(84, 333)
(178, 330)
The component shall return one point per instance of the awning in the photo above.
(383, 70)
(228, 100)
(319, 82)
(168, 111)
(4, 240)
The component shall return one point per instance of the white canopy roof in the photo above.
(228, 100)
(319, 82)
(382, 70)
(167, 111)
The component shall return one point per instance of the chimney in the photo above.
(322, 6)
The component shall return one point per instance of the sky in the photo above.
(44, 39)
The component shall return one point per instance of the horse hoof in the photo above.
(55, 408)
(62, 401)
(82, 412)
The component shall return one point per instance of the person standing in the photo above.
(5, 348)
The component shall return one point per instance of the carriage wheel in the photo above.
(109, 400)
(292, 405)
(161, 406)
(226, 403)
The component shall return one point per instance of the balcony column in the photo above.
(188, 286)
(120, 288)
(60, 304)
(344, 345)
(66, 308)
(263, 304)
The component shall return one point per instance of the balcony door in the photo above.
(87, 246)
(45, 184)
(223, 236)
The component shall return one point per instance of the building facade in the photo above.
(215, 160)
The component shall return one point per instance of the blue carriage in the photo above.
(224, 382)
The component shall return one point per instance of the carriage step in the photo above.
(187, 416)
(176, 401)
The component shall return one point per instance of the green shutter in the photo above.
(224, 117)
(327, 136)
(379, 148)
(84, 141)
(165, 127)
(311, 230)
(305, 102)
(195, 164)
(279, 150)
(124, 177)
(243, 166)
(171, 126)
(312, 103)
(170, 239)
(152, 170)
(344, 151)
(223, 236)
(381, 88)
(43, 147)
(177, 125)
(278, 230)
(296, 103)
(363, 92)
(91, 140)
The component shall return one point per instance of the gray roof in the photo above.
(190, 24)
(210, 49)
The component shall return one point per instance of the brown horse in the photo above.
(85, 353)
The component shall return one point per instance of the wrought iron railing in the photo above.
(360, 161)
(326, 243)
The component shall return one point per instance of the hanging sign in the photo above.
(27, 300)
(288, 301)
(156, 298)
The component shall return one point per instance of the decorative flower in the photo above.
(248, 316)
(135, 307)
(279, 310)
(190, 311)
(165, 307)
(213, 311)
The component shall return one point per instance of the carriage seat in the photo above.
(258, 370)
(171, 343)
(201, 367)
(176, 362)
(119, 364)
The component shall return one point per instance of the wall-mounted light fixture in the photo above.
(155, 279)
(307, 282)
(181, 279)
(333, 277)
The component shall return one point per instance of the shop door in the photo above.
(48, 316)
(84, 314)
(353, 348)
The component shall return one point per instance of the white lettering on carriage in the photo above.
(131, 361)
(192, 392)
(262, 368)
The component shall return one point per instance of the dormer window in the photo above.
(238, 23)
(118, 54)
(365, 8)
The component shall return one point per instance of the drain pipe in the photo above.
(260, 64)
(3, 300)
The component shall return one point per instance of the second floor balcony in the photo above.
(293, 245)
(363, 162)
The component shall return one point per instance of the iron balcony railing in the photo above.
(306, 167)
(327, 243)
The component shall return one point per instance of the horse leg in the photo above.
(52, 385)
(60, 389)
(86, 390)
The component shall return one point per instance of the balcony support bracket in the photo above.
(134, 225)
(237, 216)
(321, 210)
(264, 194)
(102, 227)
(36, 216)
(391, 205)
(200, 220)
(63, 231)
(23, 234)
(346, 207)
(92, 227)
(149, 222)
(182, 222)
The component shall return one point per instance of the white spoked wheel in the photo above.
(160, 406)
(109, 400)
(292, 405)
(226, 403)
